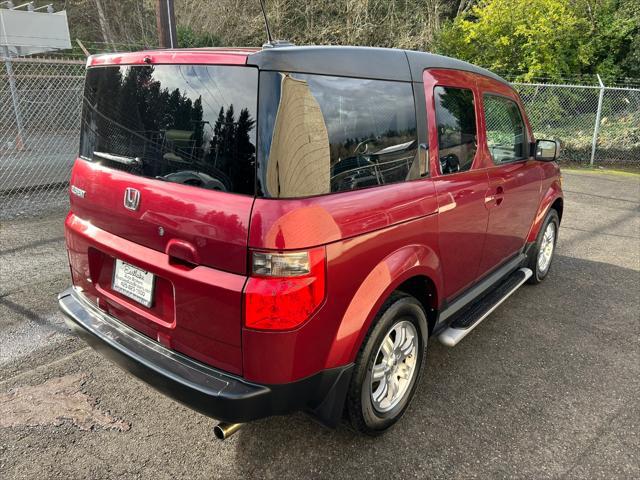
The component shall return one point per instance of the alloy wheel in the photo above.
(394, 366)
(546, 247)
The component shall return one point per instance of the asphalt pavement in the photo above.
(547, 387)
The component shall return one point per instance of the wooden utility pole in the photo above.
(166, 22)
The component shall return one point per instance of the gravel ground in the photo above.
(547, 387)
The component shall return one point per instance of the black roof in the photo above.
(367, 62)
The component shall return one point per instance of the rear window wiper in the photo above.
(118, 158)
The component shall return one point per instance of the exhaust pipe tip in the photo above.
(223, 430)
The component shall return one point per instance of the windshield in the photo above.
(189, 124)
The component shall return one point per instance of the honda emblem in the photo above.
(131, 198)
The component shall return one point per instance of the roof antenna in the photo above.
(271, 43)
(266, 26)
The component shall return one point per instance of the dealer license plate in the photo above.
(133, 282)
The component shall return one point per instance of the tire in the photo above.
(539, 267)
(400, 316)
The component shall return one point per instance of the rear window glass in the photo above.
(187, 124)
(322, 134)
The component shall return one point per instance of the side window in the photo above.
(506, 135)
(322, 134)
(457, 131)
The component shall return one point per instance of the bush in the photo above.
(188, 38)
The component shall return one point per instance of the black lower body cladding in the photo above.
(209, 391)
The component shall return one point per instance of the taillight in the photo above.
(284, 289)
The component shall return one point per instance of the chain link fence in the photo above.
(597, 125)
(40, 103)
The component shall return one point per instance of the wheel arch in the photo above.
(414, 270)
(422, 288)
(552, 199)
(558, 206)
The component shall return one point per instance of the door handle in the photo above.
(499, 196)
(494, 199)
(182, 252)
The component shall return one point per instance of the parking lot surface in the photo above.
(547, 387)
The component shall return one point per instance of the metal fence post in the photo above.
(596, 129)
(14, 97)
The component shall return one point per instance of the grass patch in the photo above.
(627, 171)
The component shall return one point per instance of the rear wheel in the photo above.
(541, 254)
(388, 366)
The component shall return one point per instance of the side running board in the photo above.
(470, 317)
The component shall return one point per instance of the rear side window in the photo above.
(322, 134)
(189, 124)
(457, 131)
(506, 136)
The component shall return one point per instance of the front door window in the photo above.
(506, 136)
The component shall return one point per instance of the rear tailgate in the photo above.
(165, 183)
(196, 305)
(196, 311)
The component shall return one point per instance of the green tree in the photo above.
(527, 38)
(613, 38)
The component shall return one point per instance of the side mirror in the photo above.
(547, 150)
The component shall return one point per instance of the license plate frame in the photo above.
(133, 282)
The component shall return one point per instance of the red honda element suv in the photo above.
(259, 231)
